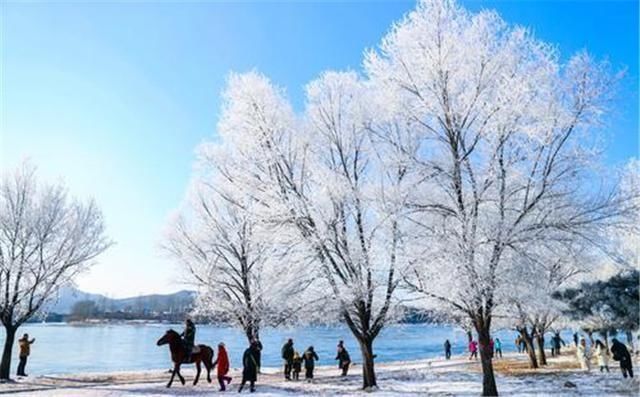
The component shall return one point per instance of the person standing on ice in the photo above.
(582, 353)
(620, 353)
(473, 348)
(309, 357)
(343, 358)
(223, 366)
(447, 349)
(602, 353)
(287, 356)
(250, 367)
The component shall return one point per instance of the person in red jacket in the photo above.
(223, 366)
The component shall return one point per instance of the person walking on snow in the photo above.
(620, 353)
(309, 357)
(582, 353)
(25, 350)
(297, 365)
(602, 353)
(343, 358)
(498, 346)
(250, 367)
(556, 341)
(223, 366)
(287, 355)
(473, 348)
(447, 349)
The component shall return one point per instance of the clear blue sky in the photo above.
(114, 97)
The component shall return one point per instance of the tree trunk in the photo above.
(469, 336)
(533, 361)
(489, 387)
(542, 358)
(252, 333)
(368, 370)
(5, 366)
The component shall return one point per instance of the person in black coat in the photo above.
(287, 356)
(343, 358)
(250, 367)
(447, 349)
(556, 344)
(620, 353)
(309, 357)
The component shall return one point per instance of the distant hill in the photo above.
(158, 303)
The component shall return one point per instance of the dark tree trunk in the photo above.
(469, 336)
(368, 370)
(252, 333)
(542, 358)
(5, 366)
(489, 387)
(531, 352)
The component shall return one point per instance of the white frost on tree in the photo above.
(321, 177)
(246, 275)
(46, 239)
(504, 136)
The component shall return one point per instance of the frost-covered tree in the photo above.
(246, 275)
(530, 306)
(46, 239)
(503, 135)
(322, 177)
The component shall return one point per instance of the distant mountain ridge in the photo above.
(69, 296)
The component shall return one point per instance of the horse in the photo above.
(179, 353)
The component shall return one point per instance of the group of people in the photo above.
(619, 352)
(495, 348)
(293, 361)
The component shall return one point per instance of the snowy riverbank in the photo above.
(436, 376)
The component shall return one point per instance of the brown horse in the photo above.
(179, 354)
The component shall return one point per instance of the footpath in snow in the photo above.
(458, 377)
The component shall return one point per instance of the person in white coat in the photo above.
(602, 353)
(582, 353)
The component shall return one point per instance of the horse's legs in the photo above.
(195, 381)
(208, 364)
(173, 374)
(179, 374)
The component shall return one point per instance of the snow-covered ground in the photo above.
(455, 377)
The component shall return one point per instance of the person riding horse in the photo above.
(189, 337)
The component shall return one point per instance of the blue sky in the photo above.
(114, 97)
